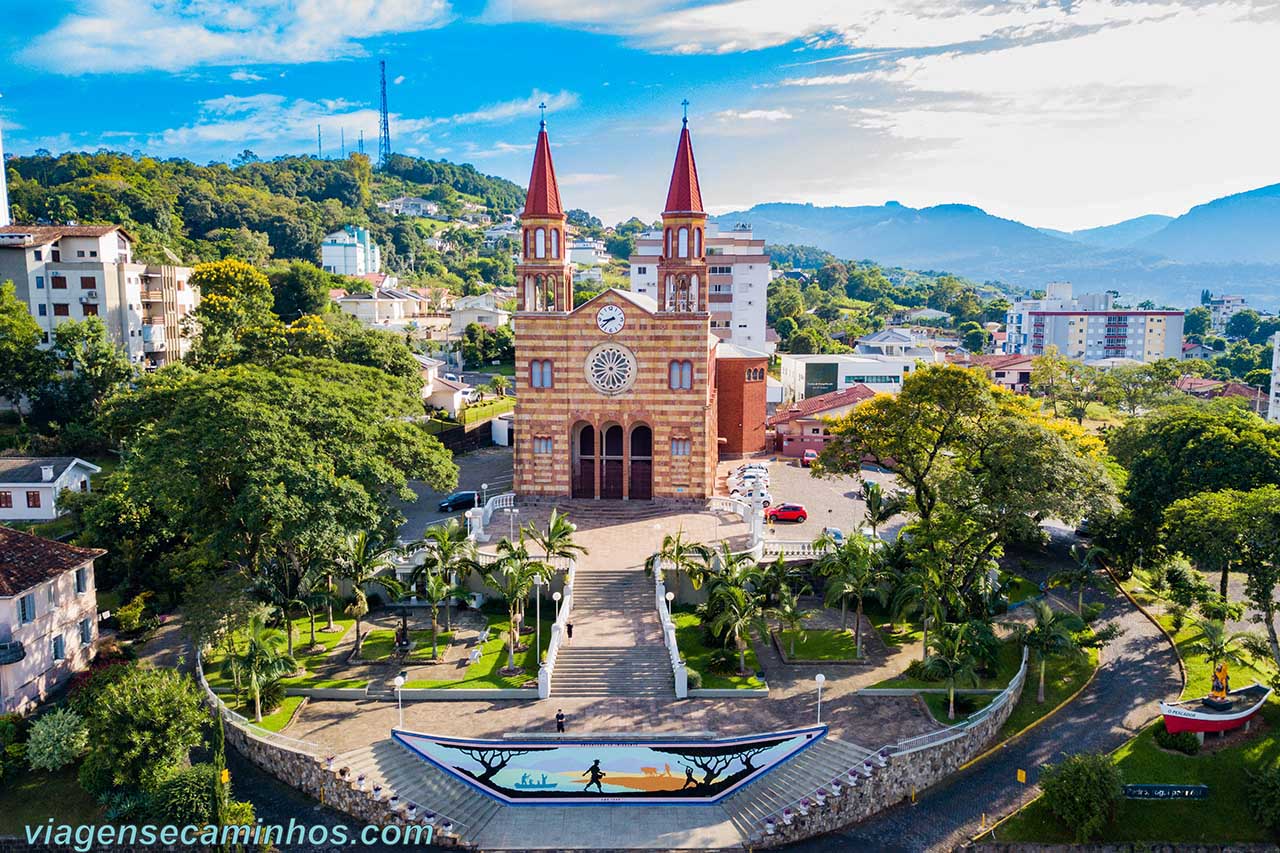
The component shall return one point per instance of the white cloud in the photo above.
(505, 110)
(105, 36)
(243, 76)
(754, 115)
(584, 179)
(398, 80)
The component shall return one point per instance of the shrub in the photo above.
(130, 616)
(1083, 792)
(1180, 742)
(695, 678)
(272, 697)
(86, 687)
(916, 671)
(723, 662)
(1264, 798)
(56, 740)
(185, 798)
(128, 806)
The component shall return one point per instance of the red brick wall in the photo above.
(741, 404)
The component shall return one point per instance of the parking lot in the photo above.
(828, 501)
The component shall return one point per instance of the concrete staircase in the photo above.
(794, 780)
(617, 647)
(401, 772)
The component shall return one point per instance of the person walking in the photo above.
(596, 775)
(560, 720)
(568, 632)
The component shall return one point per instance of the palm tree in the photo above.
(362, 563)
(729, 568)
(512, 575)
(781, 578)
(500, 384)
(679, 555)
(926, 590)
(951, 658)
(1216, 644)
(850, 571)
(261, 664)
(1081, 574)
(556, 539)
(881, 506)
(449, 553)
(436, 589)
(1051, 634)
(790, 614)
(316, 593)
(738, 614)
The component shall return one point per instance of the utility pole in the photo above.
(361, 143)
(319, 143)
(384, 130)
(342, 141)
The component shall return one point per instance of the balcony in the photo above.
(152, 296)
(11, 652)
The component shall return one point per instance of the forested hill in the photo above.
(253, 209)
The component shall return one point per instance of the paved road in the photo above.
(1138, 670)
(490, 465)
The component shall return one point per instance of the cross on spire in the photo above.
(685, 104)
(542, 107)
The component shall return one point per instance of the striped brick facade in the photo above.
(549, 421)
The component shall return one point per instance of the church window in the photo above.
(684, 243)
(697, 243)
(668, 252)
(680, 375)
(555, 242)
(681, 447)
(543, 444)
(540, 373)
(540, 243)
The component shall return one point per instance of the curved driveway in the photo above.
(1138, 670)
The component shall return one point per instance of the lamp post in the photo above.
(821, 679)
(513, 512)
(537, 615)
(484, 493)
(555, 596)
(399, 682)
(671, 596)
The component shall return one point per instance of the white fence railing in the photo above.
(791, 548)
(733, 506)
(547, 670)
(506, 500)
(246, 725)
(880, 757)
(678, 669)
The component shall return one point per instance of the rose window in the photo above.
(611, 368)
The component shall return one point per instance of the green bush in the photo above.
(56, 740)
(13, 746)
(272, 697)
(1264, 798)
(695, 678)
(916, 671)
(130, 616)
(186, 798)
(86, 688)
(1180, 742)
(1084, 792)
(723, 662)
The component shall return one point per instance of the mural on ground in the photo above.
(586, 772)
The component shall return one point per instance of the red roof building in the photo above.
(804, 425)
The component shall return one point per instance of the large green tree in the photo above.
(235, 304)
(299, 289)
(24, 367)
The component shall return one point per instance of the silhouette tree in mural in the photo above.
(715, 760)
(493, 759)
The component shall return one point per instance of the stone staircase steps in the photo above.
(415, 780)
(783, 786)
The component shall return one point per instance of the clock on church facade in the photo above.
(621, 397)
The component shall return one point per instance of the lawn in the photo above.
(966, 705)
(485, 673)
(1222, 818)
(277, 719)
(55, 529)
(1062, 677)
(698, 656)
(32, 797)
(499, 369)
(476, 412)
(820, 644)
(379, 645)
(892, 634)
(1018, 588)
(301, 639)
(1006, 668)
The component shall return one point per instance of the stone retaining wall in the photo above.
(907, 772)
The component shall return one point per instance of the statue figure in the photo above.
(1221, 682)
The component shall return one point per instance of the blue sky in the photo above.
(1067, 114)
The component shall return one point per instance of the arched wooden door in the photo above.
(641, 485)
(584, 460)
(611, 474)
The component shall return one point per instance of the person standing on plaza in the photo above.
(560, 720)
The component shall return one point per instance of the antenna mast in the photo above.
(319, 143)
(384, 131)
(360, 144)
(342, 141)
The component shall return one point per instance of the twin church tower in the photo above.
(624, 397)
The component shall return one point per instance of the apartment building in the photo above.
(48, 616)
(805, 376)
(1222, 309)
(737, 282)
(1273, 410)
(350, 251)
(1088, 328)
(69, 272)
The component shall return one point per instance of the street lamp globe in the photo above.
(820, 678)
(399, 682)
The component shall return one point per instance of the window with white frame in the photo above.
(27, 609)
(681, 447)
(680, 376)
(59, 648)
(86, 631)
(82, 580)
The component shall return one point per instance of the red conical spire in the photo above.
(684, 196)
(543, 198)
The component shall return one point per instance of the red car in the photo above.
(807, 459)
(786, 512)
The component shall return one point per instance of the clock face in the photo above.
(610, 319)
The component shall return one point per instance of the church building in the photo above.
(626, 397)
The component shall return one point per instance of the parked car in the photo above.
(452, 377)
(741, 479)
(748, 494)
(752, 466)
(458, 501)
(835, 534)
(807, 459)
(787, 512)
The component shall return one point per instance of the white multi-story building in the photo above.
(407, 205)
(1088, 328)
(1273, 409)
(1222, 309)
(805, 376)
(587, 252)
(69, 272)
(350, 251)
(737, 282)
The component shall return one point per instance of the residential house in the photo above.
(482, 308)
(48, 616)
(1192, 350)
(927, 315)
(805, 425)
(503, 231)
(806, 376)
(1256, 399)
(70, 272)
(30, 485)
(410, 206)
(350, 251)
(895, 341)
(587, 252)
(1011, 372)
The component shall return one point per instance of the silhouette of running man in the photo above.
(596, 775)
(689, 781)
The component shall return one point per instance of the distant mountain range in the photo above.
(1229, 245)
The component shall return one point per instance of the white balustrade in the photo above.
(558, 631)
(678, 669)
